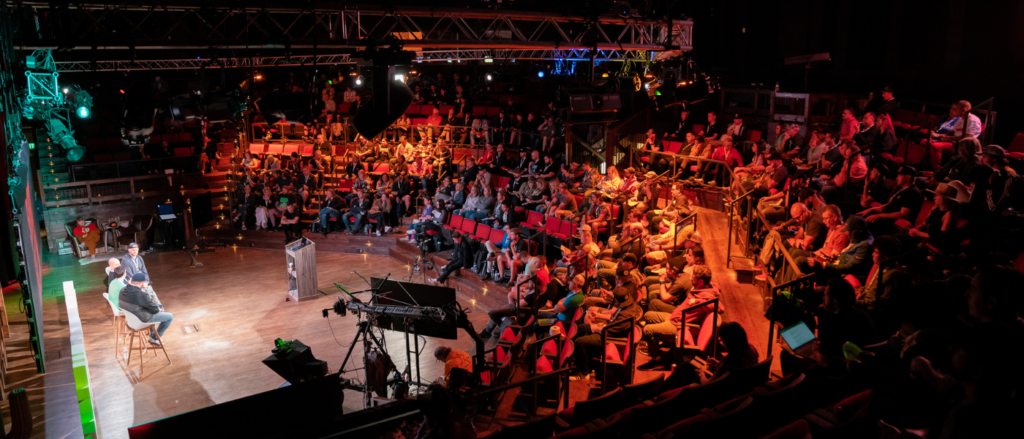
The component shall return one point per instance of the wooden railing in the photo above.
(115, 189)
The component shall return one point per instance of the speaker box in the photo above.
(581, 103)
(390, 100)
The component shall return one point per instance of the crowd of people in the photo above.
(913, 267)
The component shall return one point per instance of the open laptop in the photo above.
(166, 211)
(799, 337)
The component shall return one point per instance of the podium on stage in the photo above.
(301, 258)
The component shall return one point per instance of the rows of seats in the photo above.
(674, 146)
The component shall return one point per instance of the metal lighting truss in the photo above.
(454, 55)
(141, 28)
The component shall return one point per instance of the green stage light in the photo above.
(82, 112)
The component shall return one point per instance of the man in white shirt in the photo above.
(329, 106)
(962, 108)
(736, 130)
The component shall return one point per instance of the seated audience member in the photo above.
(89, 234)
(903, 204)
(883, 293)
(615, 321)
(960, 166)
(661, 326)
(854, 258)
(805, 226)
(839, 321)
(852, 173)
(112, 263)
(136, 298)
(941, 227)
(836, 240)
(876, 189)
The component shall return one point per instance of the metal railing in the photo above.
(131, 168)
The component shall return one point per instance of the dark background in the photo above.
(935, 51)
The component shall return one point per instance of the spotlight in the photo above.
(83, 104)
(65, 90)
(540, 74)
(488, 59)
(121, 90)
(412, 72)
(488, 76)
(258, 77)
(82, 112)
(359, 81)
(400, 78)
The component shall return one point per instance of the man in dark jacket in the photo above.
(136, 299)
(460, 258)
(353, 219)
(333, 210)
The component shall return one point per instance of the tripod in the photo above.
(367, 335)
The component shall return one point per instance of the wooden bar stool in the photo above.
(137, 328)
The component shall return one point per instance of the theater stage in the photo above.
(237, 300)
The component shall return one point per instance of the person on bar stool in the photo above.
(460, 258)
(89, 234)
(135, 298)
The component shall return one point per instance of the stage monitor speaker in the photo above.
(294, 362)
(390, 100)
(397, 293)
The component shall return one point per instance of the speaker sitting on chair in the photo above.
(390, 100)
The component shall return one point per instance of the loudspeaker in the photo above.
(390, 100)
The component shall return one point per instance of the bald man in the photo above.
(807, 229)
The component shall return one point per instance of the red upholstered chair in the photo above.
(496, 236)
(587, 410)
(1017, 145)
(493, 111)
(290, 148)
(171, 138)
(444, 109)
(552, 225)
(698, 128)
(306, 150)
(483, 232)
(275, 148)
(413, 110)
(343, 108)
(534, 219)
(257, 148)
(454, 223)
(479, 110)
(468, 227)
(185, 137)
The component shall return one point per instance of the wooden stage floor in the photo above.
(237, 300)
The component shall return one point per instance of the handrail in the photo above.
(132, 164)
(529, 380)
(714, 325)
(604, 344)
(519, 295)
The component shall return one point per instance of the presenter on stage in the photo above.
(135, 299)
(132, 262)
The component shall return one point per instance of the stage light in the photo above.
(488, 59)
(540, 74)
(353, 74)
(329, 82)
(258, 77)
(121, 90)
(488, 76)
(82, 112)
(604, 75)
(400, 78)
(413, 72)
(65, 90)
(359, 81)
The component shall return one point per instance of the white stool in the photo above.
(136, 327)
(118, 323)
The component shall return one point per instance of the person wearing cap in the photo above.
(607, 270)
(875, 188)
(1004, 189)
(668, 289)
(132, 262)
(904, 203)
(889, 104)
(661, 326)
(136, 298)
(737, 129)
(616, 321)
(629, 184)
(668, 240)
(565, 308)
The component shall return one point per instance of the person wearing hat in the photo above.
(1004, 187)
(737, 129)
(458, 366)
(792, 145)
(889, 104)
(617, 319)
(941, 225)
(904, 203)
(876, 190)
(136, 298)
(663, 326)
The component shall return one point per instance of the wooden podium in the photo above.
(301, 259)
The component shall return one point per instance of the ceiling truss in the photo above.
(142, 29)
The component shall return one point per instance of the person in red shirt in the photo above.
(433, 126)
(725, 153)
(89, 234)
